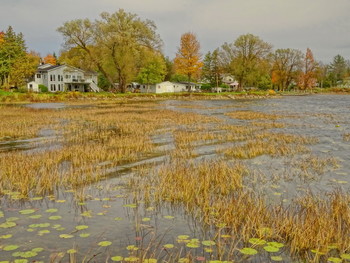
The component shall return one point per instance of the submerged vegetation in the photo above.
(244, 177)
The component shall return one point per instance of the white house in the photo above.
(165, 87)
(230, 81)
(63, 78)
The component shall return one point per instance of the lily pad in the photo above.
(248, 251)
(43, 225)
(345, 256)
(132, 248)
(12, 219)
(42, 232)
(55, 217)
(130, 205)
(72, 251)
(169, 246)
(271, 249)
(7, 224)
(10, 247)
(84, 235)
(81, 227)
(35, 216)
(87, 213)
(146, 219)
(275, 244)
(61, 201)
(131, 259)
(335, 260)
(183, 237)
(257, 241)
(194, 243)
(51, 210)
(25, 254)
(117, 258)
(208, 243)
(118, 218)
(105, 243)
(27, 211)
(150, 260)
(6, 236)
(169, 217)
(276, 258)
(38, 249)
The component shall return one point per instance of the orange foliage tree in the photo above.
(307, 79)
(2, 34)
(50, 59)
(188, 58)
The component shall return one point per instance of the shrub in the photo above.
(43, 88)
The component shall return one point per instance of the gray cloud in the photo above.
(321, 25)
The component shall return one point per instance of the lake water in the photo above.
(57, 224)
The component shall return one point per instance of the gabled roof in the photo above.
(48, 67)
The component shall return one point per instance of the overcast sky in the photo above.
(322, 25)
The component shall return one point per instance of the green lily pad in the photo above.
(318, 252)
(35, 216)
(25, 254)
(7, 224)
(12, 219)
(38, 249)
(61, 201)
(105, 243)
(66, 236)
(193, 244)
(84, 235)
(6, 236)
(146, 219)
(131, 259)
(169, 217)
(169, 246)
(117, 258)
(345, 256)
(118, 218)
(335, 260)
(87, 213)
(276, 258)
(271, 249)
(42, 232)
(43, 225)
(10, 247)
(55, 217)
(150, 260)
(27, 211)
(257, 241)
(275, 244)
(21, 261)
(132, 248)
(36, 198)
(81, 227)
(51, 210)
(208, 243)
(183, 237)
(71, 251)
(248, 251)
(130, 205)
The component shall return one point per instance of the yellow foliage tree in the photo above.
(188, 58)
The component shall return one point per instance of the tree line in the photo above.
(124, 48)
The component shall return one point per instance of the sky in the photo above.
(321, 25)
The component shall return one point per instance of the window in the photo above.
(38, 76)
(52, 78)
(31, 86)
(53, 87)
(59, 87)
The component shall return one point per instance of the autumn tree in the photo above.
(307, 78)
(24, 68)
(212, 70)
(245, 58)
(50, 59)
(188, 57)
(286, 67)
(114, 44)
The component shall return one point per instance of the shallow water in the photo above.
(113, 213)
